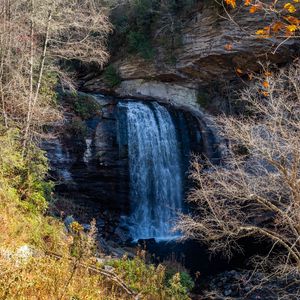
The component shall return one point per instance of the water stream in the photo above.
(155, 167)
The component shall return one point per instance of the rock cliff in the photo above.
(203, 61)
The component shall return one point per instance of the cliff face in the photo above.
(89, 160)
(203, 60)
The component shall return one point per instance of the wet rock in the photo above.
(122, 234)
(68, 221)
(147, 243)
(244, 285)
(227, 292)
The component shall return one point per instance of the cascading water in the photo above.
(154, 166)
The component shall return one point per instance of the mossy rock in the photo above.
(111, 76)
(84, 106)
(77, 128)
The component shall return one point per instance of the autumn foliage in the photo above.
(282, 15)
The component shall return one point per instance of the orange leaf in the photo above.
(239, 71)
(228, 47)
(248, 2)
(254, 8)
(277, 26)
(268, 74)
(265, 84)
(232, 3)
(266, 94)
(293, 20)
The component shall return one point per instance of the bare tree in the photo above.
(35, 36)
(256, 191)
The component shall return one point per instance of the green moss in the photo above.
(86, 107)
(77, 128)
(83, 105)
(139, 43)
(203, 99)
(111, 76)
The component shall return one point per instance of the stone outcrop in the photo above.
(202, 61)
(91, 168)
(88, 167)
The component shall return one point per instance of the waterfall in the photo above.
(155, 169)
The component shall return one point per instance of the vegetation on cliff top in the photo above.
(143, 25)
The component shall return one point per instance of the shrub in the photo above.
(139, 43)
(111, 76)
(177, 286)
(48, 88)
(139, 276)
(25, 175)
(177, 278)
(155, 282)
(77, 128)
(85, 106)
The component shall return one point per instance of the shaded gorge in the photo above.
(130, 160)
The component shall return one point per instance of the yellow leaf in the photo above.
(263, 33)
(296, 1)
(291, 28)
(260, 32)
(290, 7)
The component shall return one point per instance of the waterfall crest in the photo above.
(155, 169)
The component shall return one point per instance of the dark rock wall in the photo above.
(93, 168)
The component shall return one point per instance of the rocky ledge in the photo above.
(91, 169)
(212, 49)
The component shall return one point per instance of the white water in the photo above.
(155, 170)
(88, 152)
